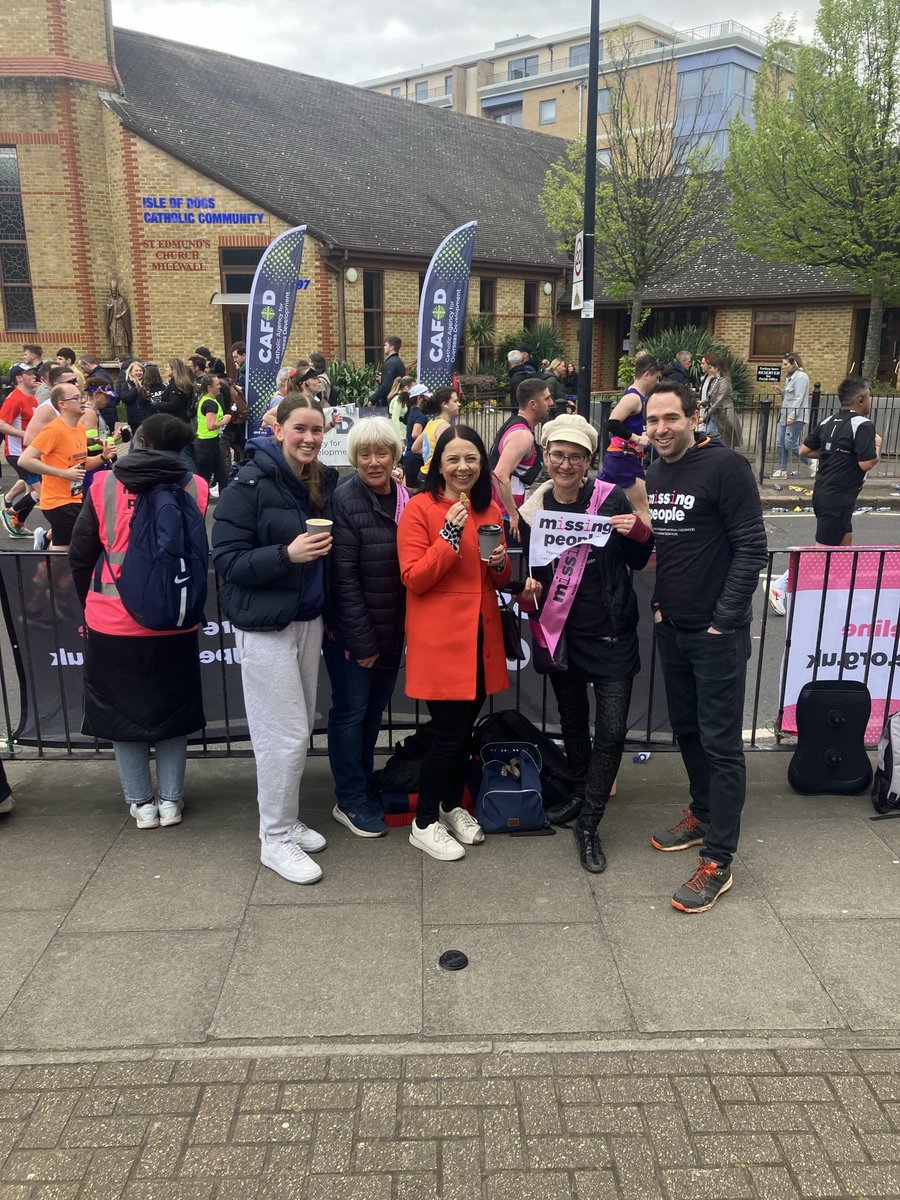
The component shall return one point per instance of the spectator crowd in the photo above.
(406, 554)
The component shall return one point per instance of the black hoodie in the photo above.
(710, 538)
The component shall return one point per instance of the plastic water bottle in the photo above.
(641, 757)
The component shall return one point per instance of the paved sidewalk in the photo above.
(506, 1125)
(177, 1023)
(177, 936)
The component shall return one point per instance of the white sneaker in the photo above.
(436, 841)
(462, 825)
(146, 815)
(777, 597)
(779, 474)
(170, 812)
(39, 541)
(6, 804)
(286, 859)
(307, 839)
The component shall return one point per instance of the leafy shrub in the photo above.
(700, 341)
(544, 341)
(356, 383)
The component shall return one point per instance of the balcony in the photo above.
(700, 33)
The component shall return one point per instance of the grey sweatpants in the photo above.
(279, 672)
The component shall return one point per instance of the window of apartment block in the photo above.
(744, 82)
(713, 145)
(395, 91)
(702, 92)
(580, 55)
(510, 115)
(547, 114)
(604, 158)
(448, 85)
(238, 266)
(772, 334)
(531, 304)
(602, 102)
(422, 91)
(520, 68)
(373, 315)
(15, 274)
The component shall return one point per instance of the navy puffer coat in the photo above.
(256, 518)
(367, 607)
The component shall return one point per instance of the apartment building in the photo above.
(541, 83)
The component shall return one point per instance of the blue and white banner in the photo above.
(442, 307)
(269, 319)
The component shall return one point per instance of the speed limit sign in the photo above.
(578, 272)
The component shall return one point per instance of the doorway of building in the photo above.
(235, 322)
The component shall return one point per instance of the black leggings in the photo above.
(595, 766)
(446, 763)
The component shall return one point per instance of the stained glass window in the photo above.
(15, 275)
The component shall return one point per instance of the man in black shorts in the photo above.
(846, 446)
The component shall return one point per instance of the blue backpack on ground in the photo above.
(509, 799)
(164, 573)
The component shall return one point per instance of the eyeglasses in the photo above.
(557, 458)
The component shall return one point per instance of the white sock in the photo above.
(781, 582)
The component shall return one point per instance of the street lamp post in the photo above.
(586, 337)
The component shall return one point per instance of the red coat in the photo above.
(446, 592)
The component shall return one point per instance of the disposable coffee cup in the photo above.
(317, 525)
(489, 538)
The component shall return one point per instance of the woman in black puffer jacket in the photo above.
(272, 569)
(367, 616)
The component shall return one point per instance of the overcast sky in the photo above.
(353, 40)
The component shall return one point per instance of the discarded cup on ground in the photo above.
(489, 537)
(642, 756)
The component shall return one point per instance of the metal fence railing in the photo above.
(844, 624)
(759, 422)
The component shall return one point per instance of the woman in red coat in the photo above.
(455, 655)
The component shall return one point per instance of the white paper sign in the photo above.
(553, 533)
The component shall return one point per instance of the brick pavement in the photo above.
(489, 1124)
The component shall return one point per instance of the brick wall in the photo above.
(822, 337)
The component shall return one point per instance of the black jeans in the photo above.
(594, 764)
(705, 676)
(446, 763)
(211, 464)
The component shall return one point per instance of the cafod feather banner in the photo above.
(269, 319)
(442, 307)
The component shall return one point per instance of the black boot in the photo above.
(566, 813)
(590, 850)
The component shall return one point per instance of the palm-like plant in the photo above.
(700, 341)
(481, 333)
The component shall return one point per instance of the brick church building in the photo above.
(168, 169)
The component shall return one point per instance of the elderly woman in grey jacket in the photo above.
(721, 419)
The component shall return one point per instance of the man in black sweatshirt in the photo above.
(711, 546)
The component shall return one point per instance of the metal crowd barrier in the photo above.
(759, 426)
(848, 626)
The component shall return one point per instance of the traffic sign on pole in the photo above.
(578, 272)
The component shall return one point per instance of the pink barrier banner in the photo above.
(843, 618)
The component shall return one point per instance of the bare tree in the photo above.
(653, 198)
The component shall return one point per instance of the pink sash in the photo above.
(402, 501)
(547, 629)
